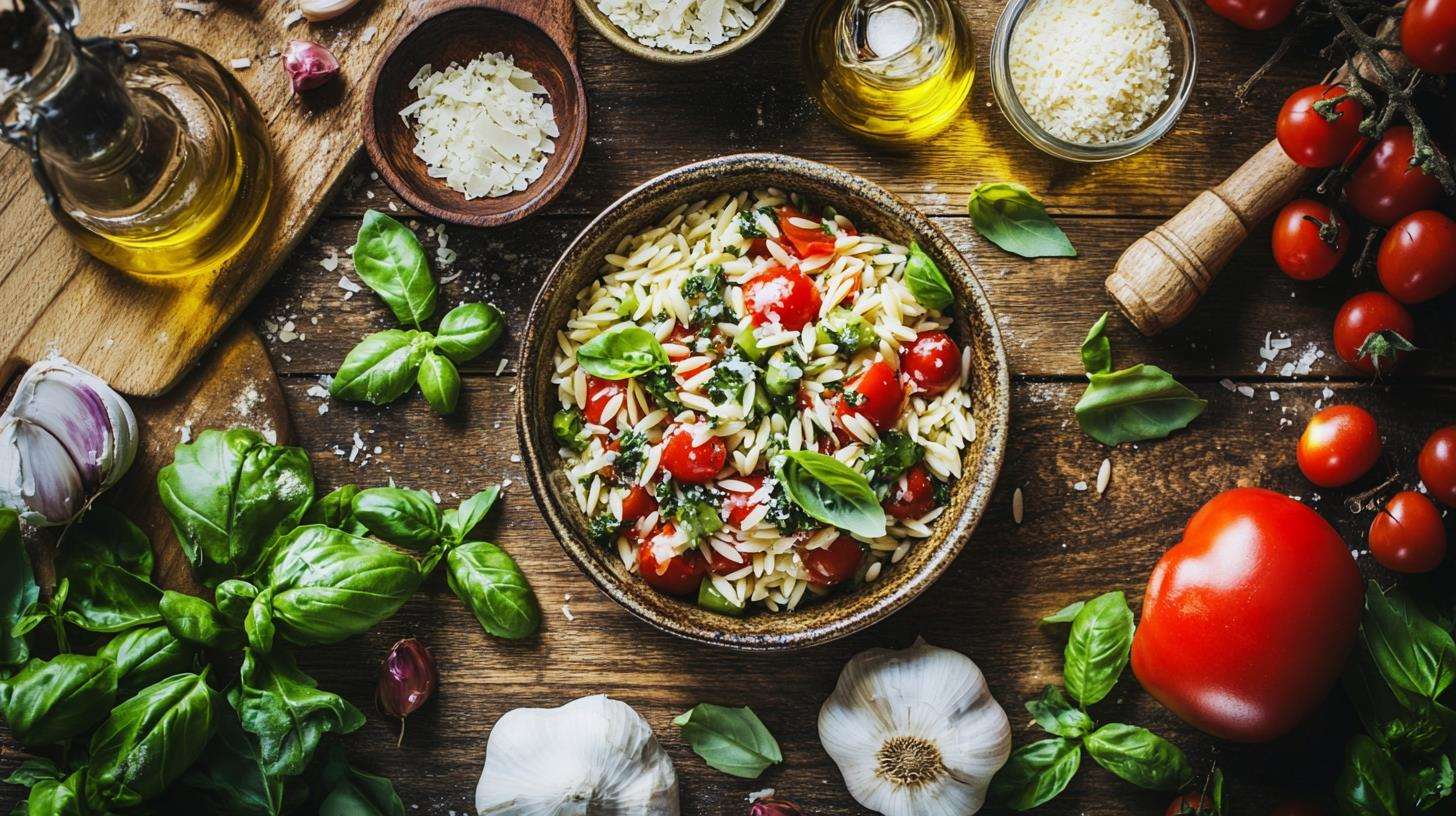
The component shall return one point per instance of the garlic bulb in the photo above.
(915, 732)
(316, 11)
(66, 437)
(591, 756)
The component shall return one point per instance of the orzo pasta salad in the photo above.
(760, 403)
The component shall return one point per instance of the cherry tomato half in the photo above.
(1408, 535)
(1369, 329)
(1437, 465)
(1255, 15)
(875, 395)
(1308, 137)
(912, 496)
(638, 503)
(1428, 35)
(1189, 804)
(599, 392)
(679, 575)
(1385, 187)
(1339, 445)
(1417, 259)
(783, 296)
(737, 506)
(834, 564)
(1309, 239)
(806, 241)
(693, 463)
(932, 363)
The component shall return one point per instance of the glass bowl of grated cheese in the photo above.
(1093, 80)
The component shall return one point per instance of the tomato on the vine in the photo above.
(691, 462)
(678, 575)
(1339, 445)
(1386, 187)
(835, 564)
(784, 296)
(1437, 465)
(1428, 35)
(1309, 239)
(1408, 535)
(912, 495)
(1417, 259)
(1373, 332)
(1308, 137)
(932, 362)
(875, 395)
(1255, 15)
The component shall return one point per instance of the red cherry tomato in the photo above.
(1408, 535)
(679, 575)
(875, 395)
(1369, 328)
(834, 564)
(1189, 804)
(1417, 259)
(912, 496)
(932, 363)
(1428, 35)
(806, 241)
(720, 564)
(1339, 445)
(1437, 465)
(1247, 622)
(1385, 187)
(599, 392)
(783, 296)
(737, 506)
(692, 463)
(1308, 137)
(1299, 241)
(1255, 15)
(638, 503)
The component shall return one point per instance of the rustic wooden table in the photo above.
(1072, 544)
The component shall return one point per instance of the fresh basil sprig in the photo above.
(832, 492)
(382, 367)
(1036, 773)
(926, 282)
(1098, 647)
(1132, 405)
(621, 352)
(468, 330)
(1009, 216)
(487, 579)
(732, 740)
(389, 258)
(408, 518)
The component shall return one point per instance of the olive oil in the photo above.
(891, 71)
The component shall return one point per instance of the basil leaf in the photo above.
(832, 492)
(196, 621)
(1412, 653)
(389, 258)
(1036, 773)
(336, 510)
(258, 626)
(49, 702)
(926, 282)
(288, 712)
(233, 599)
(1066, 614)
(325, 585)
(407, 518)
(1009, 216)
(231, 778)
(486, 578)
(228, 494)
(382, 367)
(1139, 756)
(149, 741)
(1097, 349)
(144, 656)
(1429, 784)
(439, 382)
(18, 589)
(621, 352)
(1098, 647)
(34, 770)
(351, 792)
(56, 797)
(1369, 783)
(468, 331)
(108, 563)
(731, 740)
(463, 521)
(1056, 714)
(1136, 404)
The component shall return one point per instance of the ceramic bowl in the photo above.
(616, 36)
(873, 209)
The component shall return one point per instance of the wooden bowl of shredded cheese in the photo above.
(680, 33)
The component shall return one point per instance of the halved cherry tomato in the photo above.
(679, 575)
(1308, 137)
(692, 463)
(720, 564)
(834, 564)
(1417, 259)
(1437, 465)
(912, 496)
(1408, 535)
(1385, 187)
(1339, 445)
(784, 296)
(599, 392)
(1189, 804)
(1255, 15)
(1368, 331)
(875, 395)
(806, 241)
(1309, 239)
(932, 363)
(638, 503)
(737, 506)
(1428, 35)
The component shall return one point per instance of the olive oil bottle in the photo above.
(149, 153)
(894, 72)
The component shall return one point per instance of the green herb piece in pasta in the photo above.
(622, 352)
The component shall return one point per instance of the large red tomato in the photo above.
(1417, 259)
(1247, 622)
(1428, 35)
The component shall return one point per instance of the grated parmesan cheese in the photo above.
(1091, 71)
(685, 26)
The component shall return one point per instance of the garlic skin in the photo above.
(915, 732)
(316, 11)
(592, 756)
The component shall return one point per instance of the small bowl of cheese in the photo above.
(1093, 80)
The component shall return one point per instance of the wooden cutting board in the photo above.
(142, 336)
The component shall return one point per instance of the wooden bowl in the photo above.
(616, 36)
(873, 209)
(539, 35)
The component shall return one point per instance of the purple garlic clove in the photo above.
(774, 807)
(308, 64)
(407, 678)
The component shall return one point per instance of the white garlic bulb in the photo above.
(316, 11)
(915, 732)
(592, 756)
(65, 437)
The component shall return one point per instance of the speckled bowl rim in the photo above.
(635, 211)
(616, 36)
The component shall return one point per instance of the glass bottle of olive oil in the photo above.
(891, 71)
(150, 154)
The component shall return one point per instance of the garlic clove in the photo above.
(91, 421)
(316, 11)
(308, 65)
(37, 477)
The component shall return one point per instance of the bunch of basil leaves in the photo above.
(1132, 405)
(384, 365)
(142, 713)
(1098, 645)
(1398, 680)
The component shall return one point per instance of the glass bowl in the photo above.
(1183, 48)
